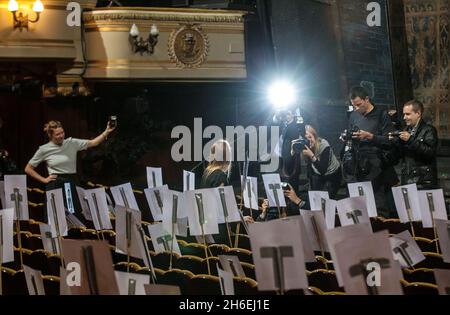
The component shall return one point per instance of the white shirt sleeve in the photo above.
(80, 144)
(37, 158)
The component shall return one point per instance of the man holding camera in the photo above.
(290, 130)
(419, 145)
(371, 157)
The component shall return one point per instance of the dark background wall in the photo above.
(367, 50)
(323, 46)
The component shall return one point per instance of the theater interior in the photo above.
(139, 220)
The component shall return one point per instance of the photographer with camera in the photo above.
(323, 166)
(419, 142)
(370, 156)
(60, 156)
(290, 130)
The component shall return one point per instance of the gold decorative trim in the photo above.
(173, 10)
(97, 16)
(169, 67)
(159, 62)
(146, 28)
(38, 40)
(165, 80)
(188, 46)
(42, 46)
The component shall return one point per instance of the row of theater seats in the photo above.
(321, 280)
(193, 264)
(416, 281)
(14, 284)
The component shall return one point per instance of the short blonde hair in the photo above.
(49, 128)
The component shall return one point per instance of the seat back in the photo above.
(419, 275)
(324, 280)
(433, 261)
(419, 288)
(194, 249)
(191, 263)
(245, 286)
(218, 249)
(249, 270)
(51, 285)
(35, 242)
(204, 285)
(244, 255)
(177, 277)
(162, 260)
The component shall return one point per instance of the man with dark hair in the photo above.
(290, 130)
(371, 154)
(419, 143)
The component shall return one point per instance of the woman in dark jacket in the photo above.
(217, 172)
(324, 169)
(216, 175)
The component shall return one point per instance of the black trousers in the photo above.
(60, 182)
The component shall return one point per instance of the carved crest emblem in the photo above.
(188, 46)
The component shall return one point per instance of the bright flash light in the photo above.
(282, 94)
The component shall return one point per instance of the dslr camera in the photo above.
(395, 134)
(347, 135)
(299, 145)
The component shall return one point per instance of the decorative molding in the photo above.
(139, 63)
(188, 46)
(173, 10)
(61, 4)
(38, 40)
(95, 17)
(144, 27)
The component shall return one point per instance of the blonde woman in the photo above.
(60, 157)
(323, 166)
(218, 170)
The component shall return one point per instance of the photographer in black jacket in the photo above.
(419, 145)
(373, 155)
(291, 129)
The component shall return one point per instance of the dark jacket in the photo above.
(369, 156)
(419, 157)
(215, 179)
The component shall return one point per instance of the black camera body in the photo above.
(285, 186)
(394, 134)
(299, 145)
(347, 135)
